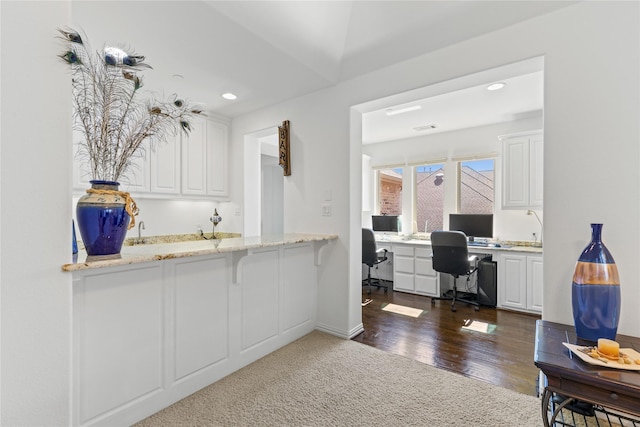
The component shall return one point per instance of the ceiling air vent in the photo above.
(423, 128)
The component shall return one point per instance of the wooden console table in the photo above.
(574, 379)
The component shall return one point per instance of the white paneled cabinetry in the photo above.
(413, 270)
(519, 277)
(217, 159)
(522, 170)
(148, 335)
(520, 282)
(187, 166)
(165, 167)
(204, 159)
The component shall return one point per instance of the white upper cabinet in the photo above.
(165, 167)
(137, 179)
(205, 159)
(217, 159)
(193, 165)
(194, 155)
(522, 170)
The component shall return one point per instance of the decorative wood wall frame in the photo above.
(284, 157)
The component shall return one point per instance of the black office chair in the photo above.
(372, 256)
(451, 256)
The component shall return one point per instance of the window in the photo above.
(390, 191)
(429, 197)
(476, 187)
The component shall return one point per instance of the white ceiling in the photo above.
(269, 51)
(520, 98)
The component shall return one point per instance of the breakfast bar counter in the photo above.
(163, 320)
(149, 252)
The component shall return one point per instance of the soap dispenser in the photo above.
(215, 219)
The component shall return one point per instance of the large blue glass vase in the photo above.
(102, 219)
(595, 291)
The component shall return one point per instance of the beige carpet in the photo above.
(321, 380)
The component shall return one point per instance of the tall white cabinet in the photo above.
(522, 170)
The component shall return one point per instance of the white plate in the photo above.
(629, 352)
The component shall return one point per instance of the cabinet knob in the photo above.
(614, 396)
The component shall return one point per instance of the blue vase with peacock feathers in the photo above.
(595, 291)
(103, 219)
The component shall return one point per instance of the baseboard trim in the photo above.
(347, 335)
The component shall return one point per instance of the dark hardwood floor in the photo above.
(502, 356)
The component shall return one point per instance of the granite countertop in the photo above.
(173, 238)
(511, 246)
(150, 252)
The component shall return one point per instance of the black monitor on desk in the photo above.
(473, 225)
(388, 223)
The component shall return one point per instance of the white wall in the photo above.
(591, 147)
(35, 183)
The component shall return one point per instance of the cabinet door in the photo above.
(403, 269)
(515, 187)
(536, 150)
(534, 283)
(403, 282)
(81, 175)
(138, 174)
(513, 287)
(165, 167)
(217, 159)
(426, 278)
(194, 155)
(522, 170)
(81, 170)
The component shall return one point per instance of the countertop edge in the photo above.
(472, 249)
(165, 251)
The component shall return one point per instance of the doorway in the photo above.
(263, 184)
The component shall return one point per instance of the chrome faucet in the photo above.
(140, 226)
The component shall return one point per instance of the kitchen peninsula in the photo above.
(161, 321)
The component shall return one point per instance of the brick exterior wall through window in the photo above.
(390, 196)
(477, 191)
(476, 187)
(429, 199)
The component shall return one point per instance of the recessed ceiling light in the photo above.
(496, 86)
(229, 95)
(393, 111)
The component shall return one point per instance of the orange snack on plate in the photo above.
(608, 348)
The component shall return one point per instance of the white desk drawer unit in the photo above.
(519, 279)
(413, 271)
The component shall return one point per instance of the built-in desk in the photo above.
(519, 271)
